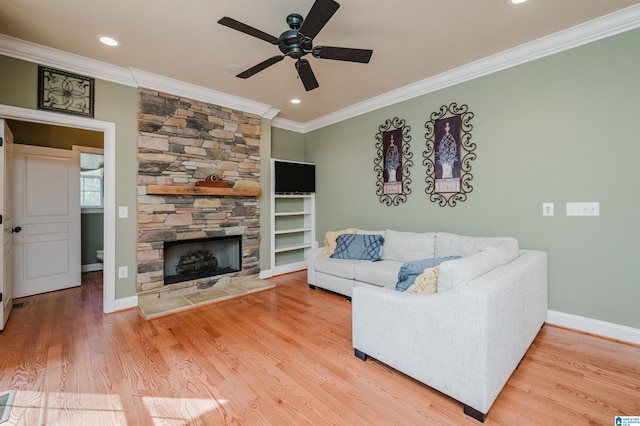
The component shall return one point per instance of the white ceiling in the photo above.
(412, 40)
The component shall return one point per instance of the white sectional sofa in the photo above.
(466, 339)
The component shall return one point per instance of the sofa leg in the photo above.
(312, 287)
(474, 413)
(360, 354)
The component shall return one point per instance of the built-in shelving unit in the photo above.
(292, 231)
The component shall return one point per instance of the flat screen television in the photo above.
(294, 178)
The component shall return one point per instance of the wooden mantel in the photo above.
(202, 190)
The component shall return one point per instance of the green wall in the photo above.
(559, 129)
(287, 145)
(114, 103)
(92, 232)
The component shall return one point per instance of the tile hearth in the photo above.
(155, 305)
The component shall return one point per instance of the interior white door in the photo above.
(6, 266)
(47, 208)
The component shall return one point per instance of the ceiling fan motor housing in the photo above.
(290, 44)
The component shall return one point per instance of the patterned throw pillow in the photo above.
(426, 283)
(358, 247)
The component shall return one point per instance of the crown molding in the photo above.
(32, 52)
(176, 87)
(606, 26)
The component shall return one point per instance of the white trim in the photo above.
(43, 55)
(265, 274)
(50, 57)
(191, 91)
(588, 325)
(606, 26)
(126, 303)
(109, 131)
(599, 28)
(91, 267)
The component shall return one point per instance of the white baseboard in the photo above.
(588, 325)
(90, 267)
(126, 303)
(265, 274)
(283, 269)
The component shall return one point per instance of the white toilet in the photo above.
(100, 255)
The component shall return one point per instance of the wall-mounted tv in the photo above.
(294, 178)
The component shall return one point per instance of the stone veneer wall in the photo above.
(181, 141)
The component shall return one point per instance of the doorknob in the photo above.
(16, 230)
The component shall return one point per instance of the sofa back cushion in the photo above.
(455, 273)
(408, 246)
(447, 244)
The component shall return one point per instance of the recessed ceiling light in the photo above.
(109, 41)
(514, 2)
(295, 101)
(234, 69)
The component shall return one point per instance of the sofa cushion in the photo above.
(330, 239)
(456, 273)
(382, 273)
(447, 244)
(408, 246)
(358, 247)
(411, 270)
(426, 283)
(342, 268)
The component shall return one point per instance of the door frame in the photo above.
(109, 131)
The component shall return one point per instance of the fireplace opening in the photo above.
(186, 260)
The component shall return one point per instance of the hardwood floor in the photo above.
(281, 356)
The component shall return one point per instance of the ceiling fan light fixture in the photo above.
(109, 41)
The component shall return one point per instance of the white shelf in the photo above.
(292, 229)
(292, 247)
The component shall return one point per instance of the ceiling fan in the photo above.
(298, 42)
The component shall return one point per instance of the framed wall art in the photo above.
(62, 91)
(449, 154)
(393, 161)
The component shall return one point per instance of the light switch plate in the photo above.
(123, 212)
(547, 209)
(583, 209)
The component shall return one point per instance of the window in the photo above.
(91, 180)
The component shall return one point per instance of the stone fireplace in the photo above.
(182, 142)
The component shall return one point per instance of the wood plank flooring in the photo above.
(278, 357)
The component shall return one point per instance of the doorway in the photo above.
(109, 142)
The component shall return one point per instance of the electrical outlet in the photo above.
(123, 272)
(547, 209)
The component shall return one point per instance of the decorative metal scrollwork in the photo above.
(393, 161)
(449, 154)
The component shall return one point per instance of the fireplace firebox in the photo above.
(186, 260)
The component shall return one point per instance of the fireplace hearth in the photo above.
(186, 260)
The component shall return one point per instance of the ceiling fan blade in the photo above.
(244, 28)
(306, 75)
(343, 54)
(262, 65)
(318, 16)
